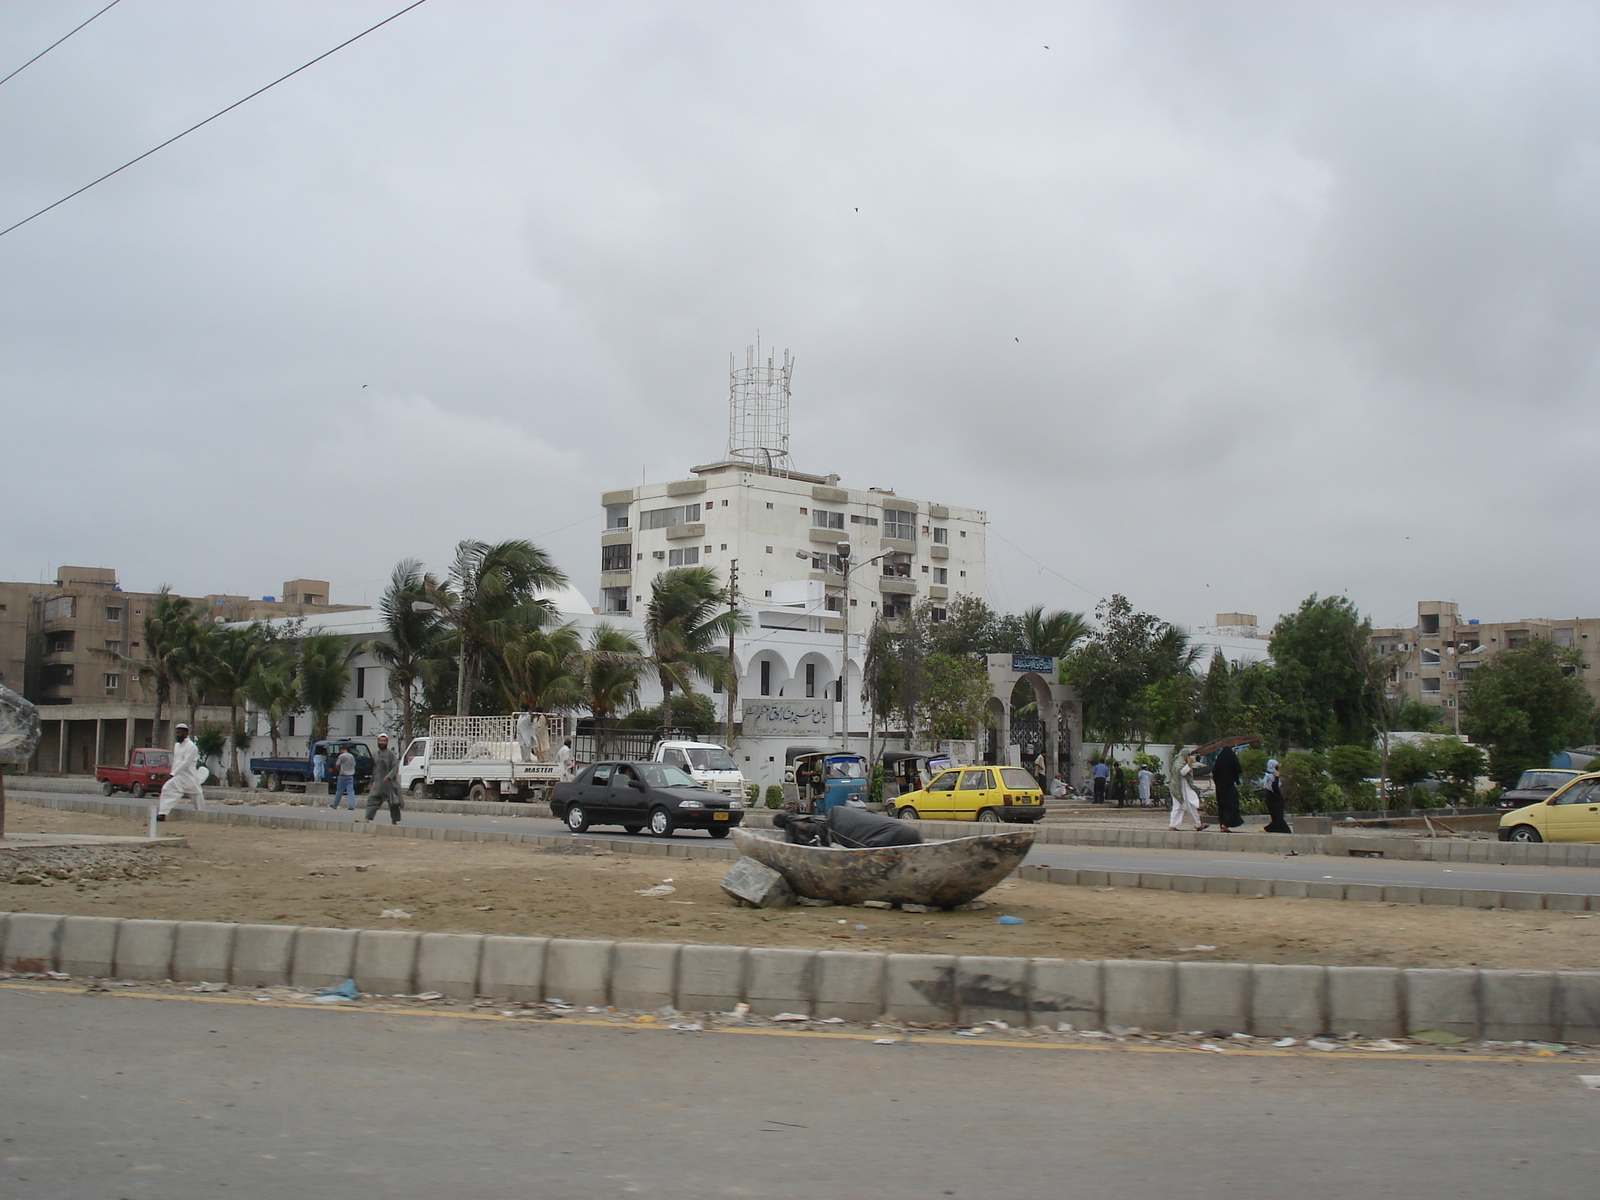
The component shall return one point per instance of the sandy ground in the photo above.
(302, 878)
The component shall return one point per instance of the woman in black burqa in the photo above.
(1225, 774)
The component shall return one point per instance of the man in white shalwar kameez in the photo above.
(185, 781)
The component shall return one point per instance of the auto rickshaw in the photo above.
(908, 771)
(825, 779)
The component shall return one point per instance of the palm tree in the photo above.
(488, 585)
(1051, 635)
(612, 667)
(324, 677)
(274, 689)
(543, 668)
(167, 633)
(234, 656)
(685, 625)
(411, 638)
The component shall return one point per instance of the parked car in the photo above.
(1538, 784)
(148, 768)
(276, 774)
(1572, 814)
(1007, 794)
(643, 795)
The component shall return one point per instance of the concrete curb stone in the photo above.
(780, 980)
(1365, 1000)
(578, 970)
(261, 955)
(921, 987)
(203, 951)
(711, 978)
(512, 968)
(644, 975)
(1066, 990)
(448, 963)
(849, 985)
(30, 942)
(145, 951)
(87, 946)
(1442, 998)
(322, 957)
(990, 988)
(386, 961)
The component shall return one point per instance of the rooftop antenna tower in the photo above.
(758, 410)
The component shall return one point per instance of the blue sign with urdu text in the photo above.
(1042, 663)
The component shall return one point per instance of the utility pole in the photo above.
(733, 671)
(843, 549)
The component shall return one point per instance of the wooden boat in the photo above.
(939, 874)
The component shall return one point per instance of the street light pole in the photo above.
(844, 657)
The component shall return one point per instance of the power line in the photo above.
(1042, 567)
(56, 43)
(213, 117)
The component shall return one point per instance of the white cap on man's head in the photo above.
(181, 725)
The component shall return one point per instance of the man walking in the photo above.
(345, 767)
(1102, 775)
(385, 782)
(564, 759)
(1146, 781)
(184, 783)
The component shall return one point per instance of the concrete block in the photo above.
(1288, 1000)
(1458, 851)
(1294, 889)
(87, 945)
(1324, 889)
(1092, 878)
(1478, 852)
(1218, 885)
(1255, 887)
(322, 957)
(578, 970)
(1062, 875)
(1365, 1000)
(779, 981)
(849, 985)
(1479, 898)
(31, 941)
(644, 975)
(1141, 993)
(711, 978)
(756, 885)
(1122, 879)
(512, 968)
(1578, 1006)
(448, 963)
(991, 989)
(145, 950)
(1518, 1005)
(1065, 990)
(1368, 893)
(386, 962)
(1442, 998)
(1445, 896)
(1400, 894)
(262, 955)
(1565, 902)
(1522, 901)
(1187, 883)
(921, 987)
(201, 951)
(1214, 997)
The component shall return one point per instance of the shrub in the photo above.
(1349, 765)
(1305, 782)
(1460, 763)
(1253, 762)
(753, 794)
(774, 796)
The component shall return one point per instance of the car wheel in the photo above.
(718, 831)
(988, 814)
(577, 820)
(632, 828)
(661, 822)
(477, 793)
(1525, 833)
(418, 789)
(909, 814)
(106, 789)
(274, 782)
(138, 791)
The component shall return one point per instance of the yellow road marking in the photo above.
(918, 1038)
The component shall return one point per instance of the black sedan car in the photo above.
(643, 795)
(1536, 785)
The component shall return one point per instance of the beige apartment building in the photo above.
(59, 645)
(1438, 655)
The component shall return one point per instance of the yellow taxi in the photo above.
(1571, 814)
(975, 794)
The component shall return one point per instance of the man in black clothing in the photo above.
(850, 828)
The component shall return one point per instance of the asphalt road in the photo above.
(112, 1096)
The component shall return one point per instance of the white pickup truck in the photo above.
(483, 758)
(709, 764)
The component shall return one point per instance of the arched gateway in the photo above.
(1060, 710)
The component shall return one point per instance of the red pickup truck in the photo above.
(147, 770)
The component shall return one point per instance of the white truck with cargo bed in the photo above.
(483, 758)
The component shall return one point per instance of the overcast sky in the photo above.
(1215, 305)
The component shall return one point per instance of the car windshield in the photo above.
(665, 775)
(160, 759)
(1544, 779)
(1016, 777)
(710, 758)
(846, 768)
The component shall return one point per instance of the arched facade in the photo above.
(1060, 711)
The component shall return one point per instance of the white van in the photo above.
(709, 764)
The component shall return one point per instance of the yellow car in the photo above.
(1572, 814)
(976, 794)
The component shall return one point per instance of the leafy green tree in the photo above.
(1416, 717)
(613, 665)
(544, 668)
(324, 676)
(1322, 659)
(686, 710)
(411, 639)
(1305, 781)
(274, 690)
(1461, 763)
(235, 655)
(1526, 704)
(687, 629)
(1113, 667)
(209, 740)
(195, 662)
(970, 627)
(955, 697)
(1409, 764)
(167, 634)
(1350, 767)
(1052, 634)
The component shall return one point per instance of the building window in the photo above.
(615, 558)
(1563, 637)
(361, 686)
(59, 608)
(769, 503)
(963, 574)
(1428, 624)
(58, 643)
(896, 566)
(361, 722)
(687, 557)
(1430, 658)
(1430, 686)
(56, 675)
(614, 600)
(766, 674)
(896, 607)
(900, 524)
(291, 726)
(941, 574)
(1517, 639)
(858, 520)
(724, 545)
(941, 536)
(822, 519)
(114, 614)
(112, 682)
(666, 518)
(811, 681)
(832, 603)
(939, 614)
(113, 647)
(769, 551)
(826, 562)
(616, 516)
(924, 569)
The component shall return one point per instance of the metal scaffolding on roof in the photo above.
(758, 410)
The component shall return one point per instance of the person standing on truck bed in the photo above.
(385, 782)
(184, 784)
(345, 765)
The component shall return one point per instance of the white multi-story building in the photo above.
(783, 528)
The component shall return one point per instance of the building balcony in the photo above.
(902, 546)
(679, 533)
(938, 551)
(616, 537)
(616, 579)
(896, 585)
(828, 537)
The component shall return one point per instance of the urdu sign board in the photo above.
(1042, 664)
(788, 718)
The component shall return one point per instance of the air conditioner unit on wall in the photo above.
(659, 554)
